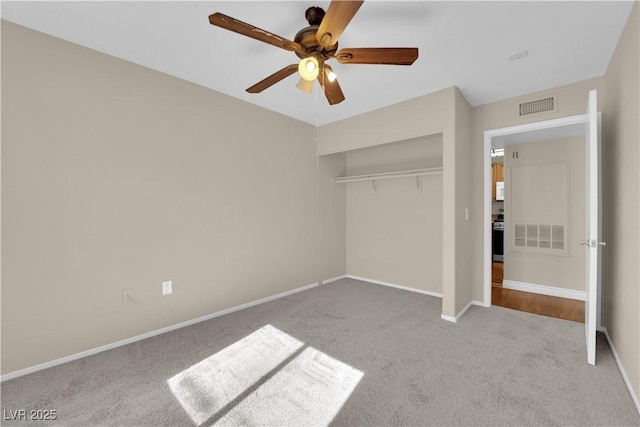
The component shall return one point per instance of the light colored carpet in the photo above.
(348, 353)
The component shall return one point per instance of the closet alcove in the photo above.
(394, 213)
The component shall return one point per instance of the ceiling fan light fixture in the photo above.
(328, 71)
(305, 85)
(309, 68)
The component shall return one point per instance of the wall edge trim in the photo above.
(449, 318)
(480, 304)
(463, 311)
(333, 279)
(393, 285)
(636, 399)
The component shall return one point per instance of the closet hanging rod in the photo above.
(387, 175)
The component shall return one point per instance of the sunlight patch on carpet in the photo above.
(209, 385)
(291, 385)
(309, 391)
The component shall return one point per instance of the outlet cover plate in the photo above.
(167, 287)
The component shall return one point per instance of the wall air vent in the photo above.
(557, 237)
(520, 235)
(539, 236)
(538, 106)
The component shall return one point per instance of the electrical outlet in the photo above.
(167, 287)
(127, 295)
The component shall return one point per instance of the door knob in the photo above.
(592, 243)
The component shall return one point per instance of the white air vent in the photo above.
(532, 236)
(538, 106)
(539, 236)
(557, 237)
(520, 235)
(544, 241)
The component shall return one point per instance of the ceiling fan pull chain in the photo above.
(315, 130)
(316, 135)
(315, 139)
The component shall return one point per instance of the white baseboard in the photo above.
(141, 337)
(451, 319)
(421, 291)
(333, 279)
(634, 397)
(458, 316)
(462, 312)
(393, 285)
(480, 304)
(544, 290)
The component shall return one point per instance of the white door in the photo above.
(593, 244)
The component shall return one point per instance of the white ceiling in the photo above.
(465, 44)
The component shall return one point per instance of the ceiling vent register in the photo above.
(538, 106)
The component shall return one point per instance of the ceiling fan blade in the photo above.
(332, 90)
(378, 55)
(273, 78)
(338, 16)
(232, 24)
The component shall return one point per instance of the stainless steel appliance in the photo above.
(498, 237)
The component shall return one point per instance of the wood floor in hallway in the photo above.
(561, 308)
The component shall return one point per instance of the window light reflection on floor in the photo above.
(293, 384)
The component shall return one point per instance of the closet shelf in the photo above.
(387, 175)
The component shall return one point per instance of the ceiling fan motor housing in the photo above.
(314, 15)
(306, 37)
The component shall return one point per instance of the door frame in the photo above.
(519, 134)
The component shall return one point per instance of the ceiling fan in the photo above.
(315, 45)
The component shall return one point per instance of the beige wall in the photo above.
(115, 176)
(546, 199)
(426, 115)
(394, 234)
(621, 142)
